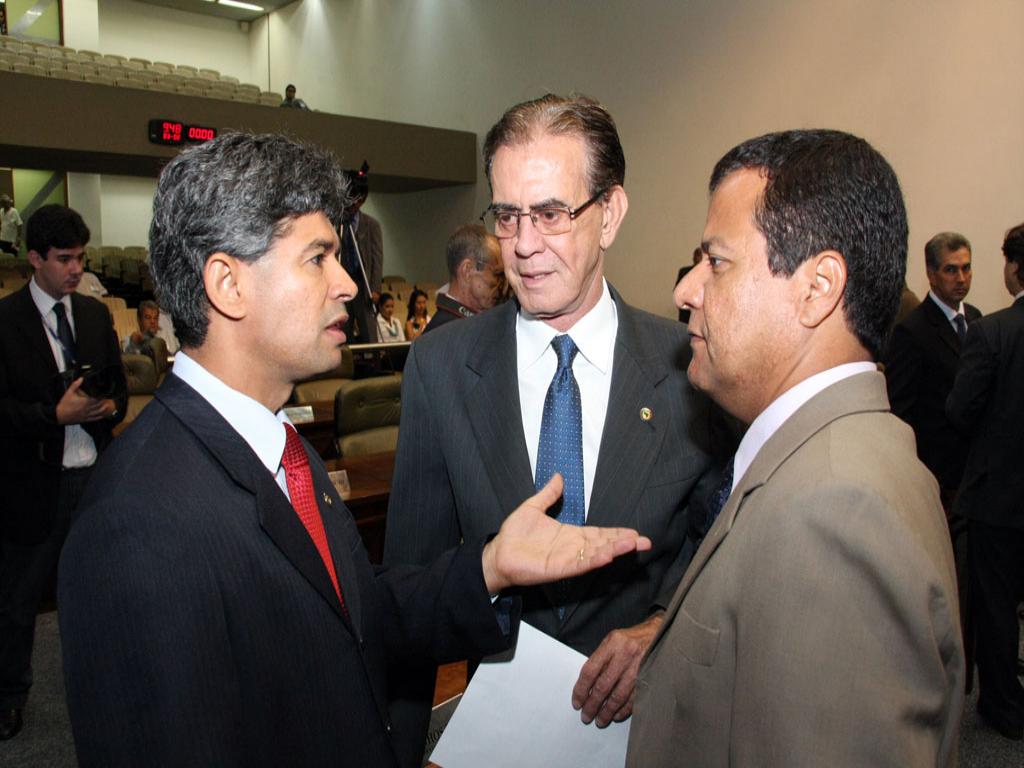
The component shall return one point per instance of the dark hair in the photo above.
(573, 115)
(942, 243)
(289, 86)
(1013, 247)
(384, 297)
(55, 226)
(411, 309)
(470, 241)
(236, 194)
(144, 305)
(831, 190)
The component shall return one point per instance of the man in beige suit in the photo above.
(818, 623)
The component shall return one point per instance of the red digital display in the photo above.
(175, 133)
(172, 132)
(195, 133)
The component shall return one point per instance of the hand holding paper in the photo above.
(533, 548)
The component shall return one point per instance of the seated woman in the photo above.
(388, 327)
(418, 317)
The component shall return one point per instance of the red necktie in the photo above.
(300, 489)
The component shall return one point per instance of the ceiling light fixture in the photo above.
(243, 6)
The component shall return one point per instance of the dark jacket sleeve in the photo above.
(975, 378)
(903, 365)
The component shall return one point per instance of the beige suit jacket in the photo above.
(818, 623)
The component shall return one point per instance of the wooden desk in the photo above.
(369, 477)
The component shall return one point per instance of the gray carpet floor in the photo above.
(46, 740)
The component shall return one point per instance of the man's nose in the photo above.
(342, 286)
(529, 240)
(689, 292)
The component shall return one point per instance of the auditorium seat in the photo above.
(30, 69)
(366, 415)
(271, 99)
(114, 303)
(162, 67)
(208, 74)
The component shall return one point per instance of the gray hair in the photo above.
(944, 242)
(470, 241)
(237, 194)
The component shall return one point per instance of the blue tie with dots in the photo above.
(561, 435)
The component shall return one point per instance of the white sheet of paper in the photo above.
(519, 712)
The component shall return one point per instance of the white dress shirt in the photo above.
(79, 447)
(536, 363)
(784, 406)
(261, 429)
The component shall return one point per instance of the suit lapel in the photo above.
(494, 413)
(629, 444)
(864, 392)
(30, 325)
(277, 517)
(943, 328)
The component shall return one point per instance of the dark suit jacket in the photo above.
(818, 624)
(463, 466)
(371, 248)
(199, 624)
(920, 365)
(31, 440)
(987, 405)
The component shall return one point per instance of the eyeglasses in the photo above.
(549, 220)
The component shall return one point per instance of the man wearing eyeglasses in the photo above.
(568, 378)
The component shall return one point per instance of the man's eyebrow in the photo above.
(551, 202)
(715, 241)
(321, 244)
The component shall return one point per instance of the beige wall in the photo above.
(933, 84)
(156, 33)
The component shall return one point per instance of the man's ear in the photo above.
(222, 279)
(35, 259)
(465, 270)
(615, 206)
(823, 281)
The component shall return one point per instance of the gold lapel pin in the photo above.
(646, 414)
(327, 500)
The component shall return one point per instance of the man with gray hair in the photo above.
(920, 366)
(475, 275)
(217, 604)
(922, 357)
(567, 378)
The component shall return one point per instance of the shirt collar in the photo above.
(45, 302)
(949, 313)
(785, 405)
(593, 334)
(260, 428)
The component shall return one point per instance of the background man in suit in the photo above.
(362, 248)
(474, 430)
(922, 356)
(817, 624)
(217, 605)
(51, 430)
(920, 365)
(475, 275)
(986, 406)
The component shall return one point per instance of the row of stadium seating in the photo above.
(43, 60)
